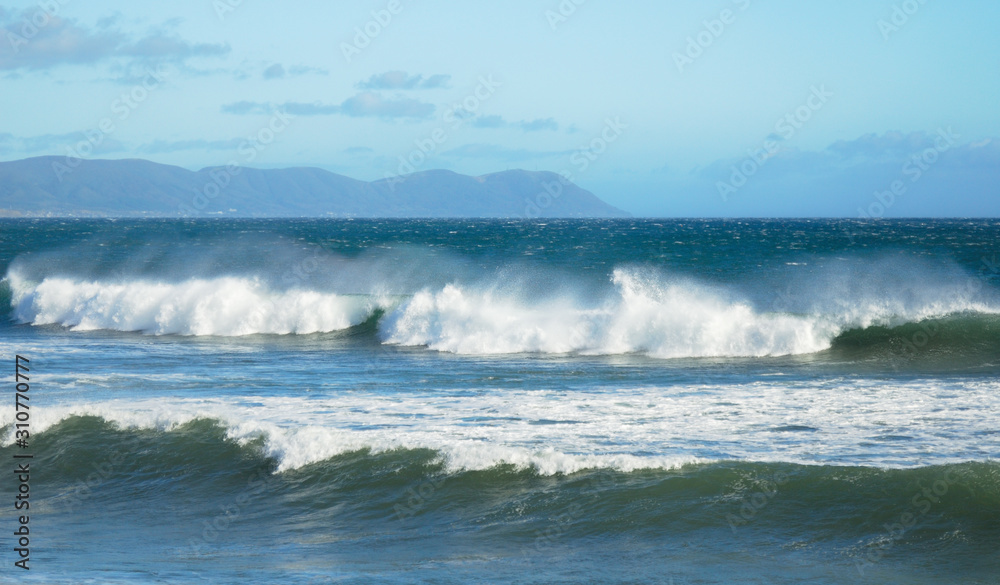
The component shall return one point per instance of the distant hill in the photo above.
(47, 186)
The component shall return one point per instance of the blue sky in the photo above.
(721, 108)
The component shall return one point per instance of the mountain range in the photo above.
(57, 186)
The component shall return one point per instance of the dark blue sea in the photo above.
(470, 401)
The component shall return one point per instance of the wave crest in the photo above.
(226, 306)
(645, 314)
(641, 311)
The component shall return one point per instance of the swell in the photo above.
(950, 337)
(86, 456)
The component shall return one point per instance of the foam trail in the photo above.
(626, 429)
(293, 445)
(226, 306)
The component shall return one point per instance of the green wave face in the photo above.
(195, 467)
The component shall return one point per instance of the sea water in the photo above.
(492, 401)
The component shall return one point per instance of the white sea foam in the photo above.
(828, 422)
(649, 313)
(224, 306)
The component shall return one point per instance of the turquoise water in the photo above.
(625, 401)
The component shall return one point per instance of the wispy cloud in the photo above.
(243, 108)
(852, 176)
(888, 145)
(54, 144)
(366, 104)
(163, 48)
(489, 122)
(62, 41)
(372, 104)
(400, 80)
(275, 71)
(540, 124)
(500, 153)
(537, 125)
(304, 109)
(162, 146)
(279, 71)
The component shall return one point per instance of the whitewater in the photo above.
(646, 312)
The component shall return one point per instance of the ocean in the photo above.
(491, 401)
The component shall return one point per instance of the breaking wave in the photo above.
(640, 311)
